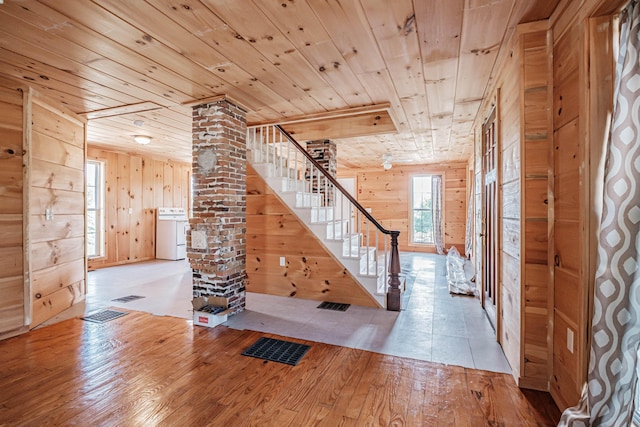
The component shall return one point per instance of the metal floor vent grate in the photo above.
(104, 316)
(213, 309)
(335, 306)
(128, 298)
(277, 350)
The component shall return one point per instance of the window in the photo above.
(95, 210)
(421, 210)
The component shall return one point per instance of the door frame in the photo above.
(496, 323)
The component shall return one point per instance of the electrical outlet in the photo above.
(130, 211)
(283, 262)
(48, 214)
(570, 340)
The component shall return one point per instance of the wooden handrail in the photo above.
(331, 179)
(393, 292)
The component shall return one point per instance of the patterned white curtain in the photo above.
(607, 398)
(436, 195)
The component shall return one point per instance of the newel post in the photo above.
(393, 293)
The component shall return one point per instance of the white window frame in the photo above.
(412, 239)
(99, 208)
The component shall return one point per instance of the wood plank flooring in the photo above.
(142, 370)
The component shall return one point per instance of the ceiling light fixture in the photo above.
(142, 139)
(386, 161)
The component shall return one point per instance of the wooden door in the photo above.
(490, 217)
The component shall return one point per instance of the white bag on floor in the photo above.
(460, 272)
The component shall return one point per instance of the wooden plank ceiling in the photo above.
(428, 62)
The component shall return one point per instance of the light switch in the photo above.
(283, 262)
(48, 214)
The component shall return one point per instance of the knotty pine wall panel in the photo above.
(12, 266)
(387, 194)
(583, 76)
(148, 199)
(509, 309)
(123, 220)
(57, 186)
(568, 242)
(536, 143)
(510, 315)
(135, 186)
(311, 272)
(523, 93)
(12, 306)
(49, 253)
(455, 201)
(41, 169)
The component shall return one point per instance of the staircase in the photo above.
(365, 248)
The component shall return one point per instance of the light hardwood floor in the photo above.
(144, 370)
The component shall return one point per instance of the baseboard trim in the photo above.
(533, 384)
(14, 332)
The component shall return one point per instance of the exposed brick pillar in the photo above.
(324, 151)
(216, 243)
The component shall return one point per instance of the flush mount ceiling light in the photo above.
(386, 161)
(142, 139)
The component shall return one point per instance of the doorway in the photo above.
(490, 217)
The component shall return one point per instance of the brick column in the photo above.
(216, 243)
(324, 151)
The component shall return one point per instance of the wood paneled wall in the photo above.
(387, 194)
(311, 272)
(583, 67)
(523, 96)
(135, 186)
(536, 173)
(56, 241)
(13, 295)
(509, 302)
(42, 171)
(554, 277)
(569, 244)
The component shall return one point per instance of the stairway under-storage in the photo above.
(302, 211)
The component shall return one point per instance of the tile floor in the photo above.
(166, 286)
(433, 324)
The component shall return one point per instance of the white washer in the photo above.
(171, 233)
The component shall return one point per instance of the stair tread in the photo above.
(363, 251)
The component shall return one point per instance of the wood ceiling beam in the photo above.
(342, 123)
(343, 112)
(122, 110)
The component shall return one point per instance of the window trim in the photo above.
(100, 199)
(411, 210)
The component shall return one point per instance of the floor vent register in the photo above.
(104, 316)
(128, 298)
(335, 306)
(279, 351)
